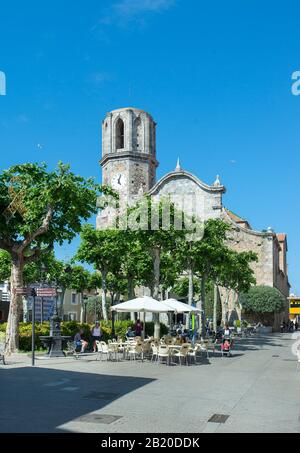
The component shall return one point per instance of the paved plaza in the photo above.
(257, 388)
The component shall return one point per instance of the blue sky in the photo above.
(216, 76)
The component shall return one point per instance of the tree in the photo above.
(37, 209)
(80, 282)
(234, 272)
(104, 250)
(170, 271)
(231, 270)
(93, 307)
(157, 234)
(136, 266)
(200, 258)
(262, 302)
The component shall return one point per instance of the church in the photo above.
(129, 164)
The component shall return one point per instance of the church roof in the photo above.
(238, 219)
(185, 174)
(128, 108)
(281, 237)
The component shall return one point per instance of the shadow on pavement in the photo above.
(40, 400)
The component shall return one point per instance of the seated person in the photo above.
(226, 345)
(184, 336)
(178, 328)
(79, 341)
(130, 333)
(226, 330)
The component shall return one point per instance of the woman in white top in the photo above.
(226, 331)
(96, 335)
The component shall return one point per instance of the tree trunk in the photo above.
(81, 308)
(131, 295)
(12, 330)
(156, 268)
(112, 303)
(224, 303)
(191, 287)
(190, 294)
(216, 291)
(103, 287)
(202, 308)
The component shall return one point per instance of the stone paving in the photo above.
(258, 388)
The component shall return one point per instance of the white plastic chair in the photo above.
(193, 352)
(203, 347)
(183, 353)
(135, 351)
(163, 353)
(154, 352)
(103, 349)
(113, 349)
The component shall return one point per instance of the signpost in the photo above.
(39, 292)
(30, 292)
(46, 292)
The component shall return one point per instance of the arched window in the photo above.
(138, 135)
(120, 134)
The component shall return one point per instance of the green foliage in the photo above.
(209, 303)
(181, 287)
(233, 269)
(101, 248)
(80, 279)
(150, 329)
(122, 326)
(5, 265)
(262, 299)
(67, 197)
(25, 331)
(2, 337)
(93, 306)
(70, 328)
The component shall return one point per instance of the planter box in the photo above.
(265, 329)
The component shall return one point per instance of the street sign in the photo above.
(46, 292)
(23, 291)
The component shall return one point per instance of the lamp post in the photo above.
(85, 301)
(33, 294)
(42, 282)
(113, 332)
(95, 307)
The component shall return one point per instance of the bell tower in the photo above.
(129, 152)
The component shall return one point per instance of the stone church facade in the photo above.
(129, 166)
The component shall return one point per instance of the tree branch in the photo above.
(37, 253)
(41, 230)
(4, 245)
